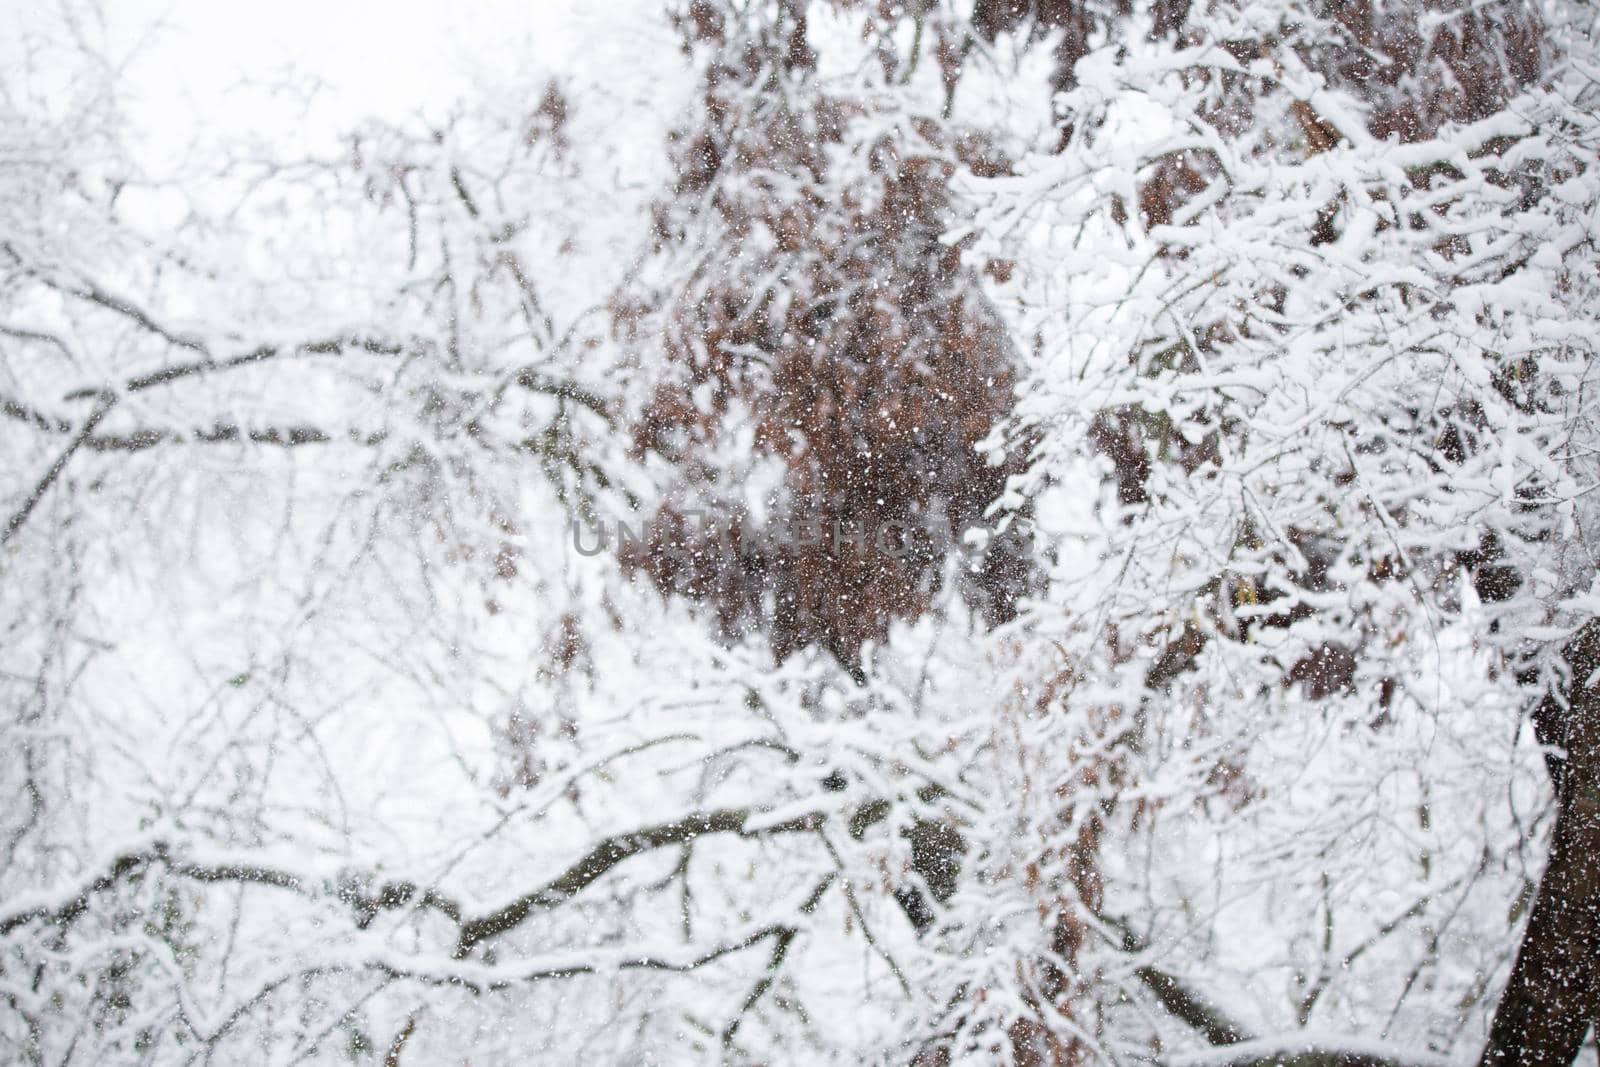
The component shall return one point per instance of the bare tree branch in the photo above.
(104, 404)
(608, 854)
(63, 908)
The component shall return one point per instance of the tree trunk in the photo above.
(1554, 992)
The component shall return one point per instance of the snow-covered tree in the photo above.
(1306, 302)
(819, 531)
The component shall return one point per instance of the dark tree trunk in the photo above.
(1554, 993)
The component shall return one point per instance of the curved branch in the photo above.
(63, 908)
(1185, 1004)
(1236, 1047)
(608, 854)
(1312, 1050)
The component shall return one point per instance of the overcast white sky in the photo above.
(370, 56)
